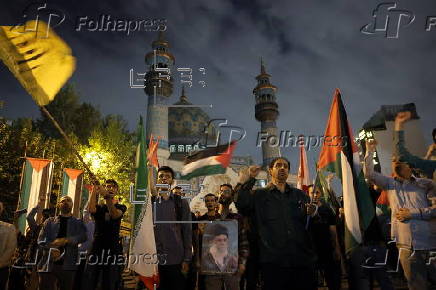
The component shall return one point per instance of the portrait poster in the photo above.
(219, 252)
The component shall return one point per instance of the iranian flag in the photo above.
(36, 184)
(143, 241)
(72, 187)
(340, 155)
(303, 171)
(209, 161)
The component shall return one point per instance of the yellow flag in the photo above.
(40, 60)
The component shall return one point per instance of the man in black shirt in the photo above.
(106, 247)
(279, 214)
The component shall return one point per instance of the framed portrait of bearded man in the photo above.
(219, 252)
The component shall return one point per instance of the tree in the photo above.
(110, 153)
(104, 143)
(74, 117)
(18, 138)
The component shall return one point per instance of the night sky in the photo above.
(309, 48)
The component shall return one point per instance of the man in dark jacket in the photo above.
(59, 239)
(280, 213)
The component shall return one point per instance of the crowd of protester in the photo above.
(286, 238)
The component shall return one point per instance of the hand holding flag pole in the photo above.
(42, 62)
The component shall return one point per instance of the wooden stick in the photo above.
(56, 124)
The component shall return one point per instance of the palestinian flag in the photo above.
(340, 155)
(303, 177)
(209, 161)
(143, 234)
(36, 184)
(72, 187)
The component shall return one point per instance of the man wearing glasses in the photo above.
(106, 246)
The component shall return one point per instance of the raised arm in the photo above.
(378, 179)
(428, 166)
(151, 179)
(43, 234)
(243, 195)
(92, 202)
(31, 218)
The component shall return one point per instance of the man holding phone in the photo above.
(106, 246)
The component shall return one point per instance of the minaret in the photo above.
(159, 87)
(266, 112)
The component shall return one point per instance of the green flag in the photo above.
(143, 241)
(141, 178)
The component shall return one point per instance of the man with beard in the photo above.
(106, 246)
(279, 212)
(59, 239)
(218, 259)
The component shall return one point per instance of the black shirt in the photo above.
(280, 221)
(107, 230)
(62, 233)
(320, 231)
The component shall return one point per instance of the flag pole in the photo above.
(56, 124)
